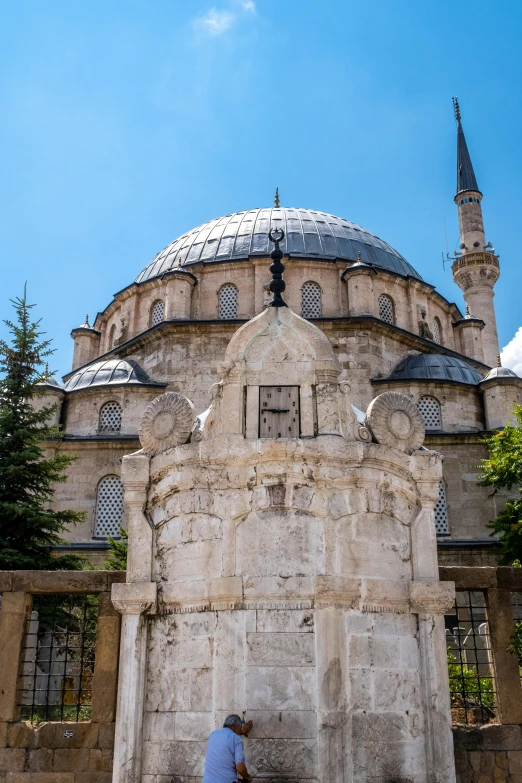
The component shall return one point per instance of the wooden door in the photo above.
(279, 412)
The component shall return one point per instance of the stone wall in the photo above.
(488, 754)
(57, 752)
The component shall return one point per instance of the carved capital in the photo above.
(166, 423)
(135, 473)
(431, 597)
(134, 597)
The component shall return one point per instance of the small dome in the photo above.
(435, 367)
(501, 372)
(114, 372)
(308, 234)
(51, 383)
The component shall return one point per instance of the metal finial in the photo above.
(276, 198)
(277, 284)
(499, 361)
(467, 310)
(359, 259)
(46, 370)
(457, 108)
(87, 320)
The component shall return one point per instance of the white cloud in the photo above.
(249, 5)
(215, 22)
(511, 355)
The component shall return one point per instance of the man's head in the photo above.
(233, 722)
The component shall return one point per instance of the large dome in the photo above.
(308, 234)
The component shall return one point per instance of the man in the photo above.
(225, 757)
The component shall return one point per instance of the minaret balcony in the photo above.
(475, 259)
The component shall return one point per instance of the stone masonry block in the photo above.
(514, 759)
(502, 737)
(12, 759)
(60, 581)
(106, 735)
(93, 777)
(85, 735)
(98, 762)
(3, 735)
(39, 760)
(71, 759)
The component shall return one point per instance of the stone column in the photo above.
(135, 471)
(470, 332)
(15, 610)
(507, 676)
(361, 297)
(105, 679)
(133, 601)
(179, 285)
(426, 468)
(430, 600)
(333, 734)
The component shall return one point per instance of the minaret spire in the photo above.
(466, 179)
(476, 268)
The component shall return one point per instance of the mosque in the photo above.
(389, 329)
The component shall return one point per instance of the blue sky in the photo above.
(126, 123)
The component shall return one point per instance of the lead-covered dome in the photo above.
(308, 234)
(113, 372)
(435, 367)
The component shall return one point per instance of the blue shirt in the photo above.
(224, 751)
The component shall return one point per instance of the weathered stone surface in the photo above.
(12, 759)
(280, 649)
(280, 688)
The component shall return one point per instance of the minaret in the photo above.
(476, 270)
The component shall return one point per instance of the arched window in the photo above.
(437, 331)
(109, 507)
(429, 409)
(110, 417)
(311, 306)
(228, 301)
(112, 336)
(441, 512)
(386, 309)
(157, 312)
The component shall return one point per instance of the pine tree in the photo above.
(28, 524)
(503, 470)
(118, 549)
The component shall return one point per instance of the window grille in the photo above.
(311, 306)
(386, 309)
(57, 660)
(441, 512)
(437, 331)
(157, 312)
(110, 417)
(109, 507)
(470, 663)
(429, 409)
(228, 301)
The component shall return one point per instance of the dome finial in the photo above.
(499, 360)
(277, 284)
(456, 108)
(276, 199)
(87, 320)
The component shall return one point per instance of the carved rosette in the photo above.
(167, 422)
(396, 422)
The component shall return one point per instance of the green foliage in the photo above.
(28, 524)
(466, 682)
(118, 547)
(503, 470)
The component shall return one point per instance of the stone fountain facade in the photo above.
(293, 579)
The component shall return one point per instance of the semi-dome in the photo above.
(435, 367)
(113, 372)
(308, 234)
